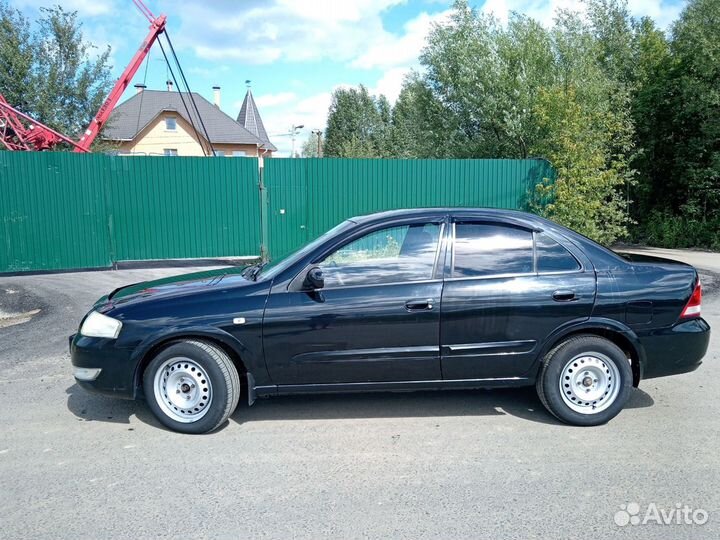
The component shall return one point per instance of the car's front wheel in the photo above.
(192, 386)
(585, 381)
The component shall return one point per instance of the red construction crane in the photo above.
(18, 131)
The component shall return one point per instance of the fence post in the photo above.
(263, 210)
(108, 170)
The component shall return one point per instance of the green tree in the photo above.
(16, 58)
(53, 73)
(310, 147)
(522, 90)
(695, 90)
(70, 84)
(652, 117)
(585, 196)
(417, 129)
(358, 124)
(676, 109)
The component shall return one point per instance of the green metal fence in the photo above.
(306, 197)
(66, 211)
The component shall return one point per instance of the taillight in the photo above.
(692, 309)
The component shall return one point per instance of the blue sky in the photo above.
(295, 52)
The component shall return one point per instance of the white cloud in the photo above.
(294, 30)
(499, 8)
(310, 112)
(663, 11)
(85, 8)
(390, 50)
(257, 55)
(540, 10)
(390, 83)
(273, 100)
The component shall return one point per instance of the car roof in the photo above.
(434, 211)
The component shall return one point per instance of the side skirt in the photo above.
(401, 386)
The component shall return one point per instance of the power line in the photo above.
(192, 98)
(182, 99)
(142, 95)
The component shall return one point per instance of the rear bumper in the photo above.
(674, 350)
(116, 377)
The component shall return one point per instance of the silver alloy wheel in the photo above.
(590, 383)
(183, 390)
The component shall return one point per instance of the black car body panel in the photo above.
(447, 330)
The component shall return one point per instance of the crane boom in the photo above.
(14, 134)
(157, 27)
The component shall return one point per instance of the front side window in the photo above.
(483, 249)
(170, 123)
(170, 152)
(390, 255)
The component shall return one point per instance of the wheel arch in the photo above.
(613, 331)
(150, 348)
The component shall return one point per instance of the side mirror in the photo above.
(314, 279)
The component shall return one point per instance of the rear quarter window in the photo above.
(552, 257)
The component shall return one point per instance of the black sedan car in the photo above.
(402, 300)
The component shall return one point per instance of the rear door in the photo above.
(506, 289)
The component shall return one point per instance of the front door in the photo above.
(377, 319)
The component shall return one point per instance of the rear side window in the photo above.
(552, 257)
(484, 250)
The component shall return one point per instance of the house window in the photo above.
(239, 153)
(219, 153)
(170, 152)
(170, 123)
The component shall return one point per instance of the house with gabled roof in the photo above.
(154, 122)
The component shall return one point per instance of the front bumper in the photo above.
(117, 368)
(678, 349)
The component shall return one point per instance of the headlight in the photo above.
(99, 325)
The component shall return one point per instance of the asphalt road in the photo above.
(481, 464)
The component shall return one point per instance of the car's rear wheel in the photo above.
(192, 386)
(585, 380)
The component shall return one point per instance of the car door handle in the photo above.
(564, 296)
(419, 305)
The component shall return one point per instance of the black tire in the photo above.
(558, 360)
(217, 368)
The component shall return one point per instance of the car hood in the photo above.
(178, 285)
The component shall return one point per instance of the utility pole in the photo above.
(294, 130)
(319, 141)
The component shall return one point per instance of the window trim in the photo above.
(450, 268)
(384, 284)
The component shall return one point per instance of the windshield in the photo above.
(273, 268)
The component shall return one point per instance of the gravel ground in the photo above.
(487, 464)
